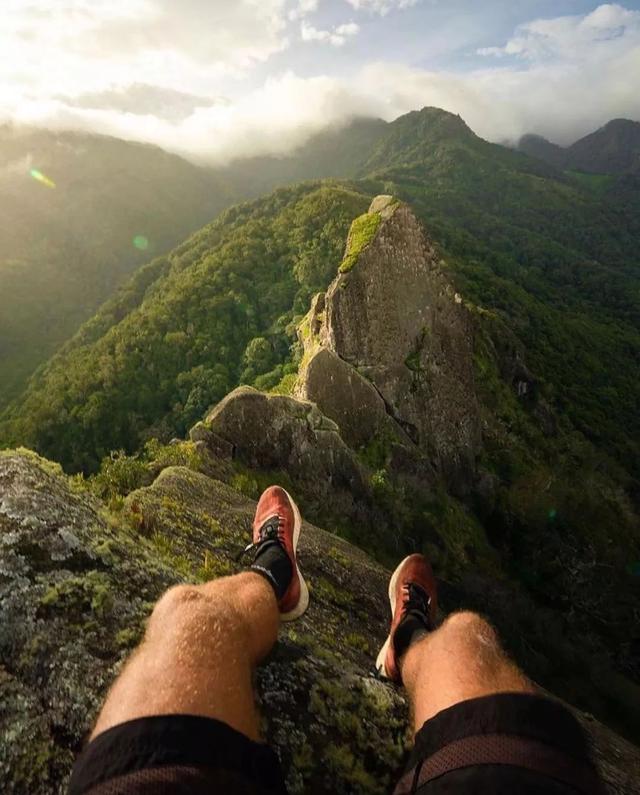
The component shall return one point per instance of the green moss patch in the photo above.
(362, 232)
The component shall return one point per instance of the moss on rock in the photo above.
(362, 232)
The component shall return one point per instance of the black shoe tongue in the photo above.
(413, 626)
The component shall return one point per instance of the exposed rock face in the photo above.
(73, 593)
(398, 329)
(77, 583)
(349, 399)
(280, 433)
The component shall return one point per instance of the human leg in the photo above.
(479, 723)
(181, 716)
(198, 655)
(460, 660)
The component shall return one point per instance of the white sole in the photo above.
(382, 654)
(303, 602)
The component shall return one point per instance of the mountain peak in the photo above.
(434, 122)
(622, 124)
(613, 149)
(540, 147)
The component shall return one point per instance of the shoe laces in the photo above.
(416, 600)
(271, 532)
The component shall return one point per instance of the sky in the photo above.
(215, 80)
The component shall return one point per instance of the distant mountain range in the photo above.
(613, 149)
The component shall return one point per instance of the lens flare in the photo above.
(42, 178)
(141, 242)
(552, 514)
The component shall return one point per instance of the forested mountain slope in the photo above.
(556, 261)
(78, 214)
(157, 356)
(341, 152)
(66, 248)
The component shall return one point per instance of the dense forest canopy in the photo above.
(79, 214)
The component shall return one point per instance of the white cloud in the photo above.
(278, 116)
(381, 7)
(303, 9)
(53, 47)
(569, 76)
(143, 100)
(572, 38)
(336, 37)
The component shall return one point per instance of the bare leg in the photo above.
(200, 649)
(462, 659)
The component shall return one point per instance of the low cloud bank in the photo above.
(560, 78)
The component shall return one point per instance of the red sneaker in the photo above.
(412, 592)
(276, 528)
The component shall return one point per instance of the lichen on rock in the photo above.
(76, 585)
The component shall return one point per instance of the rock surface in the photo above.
(351, 401)
(280, 433)
(400, 331)
(77, 582)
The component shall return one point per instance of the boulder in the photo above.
(278, 433)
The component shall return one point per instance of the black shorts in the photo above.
(508, 743)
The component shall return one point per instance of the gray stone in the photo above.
(397, 320)
(345, 396)
(282, 433)
(206, 440)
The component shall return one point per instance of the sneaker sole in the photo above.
(382, 654)
(303, 602)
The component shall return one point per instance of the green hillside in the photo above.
(79, 214)
(173, 341)
(556, 260)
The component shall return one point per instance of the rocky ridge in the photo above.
(391, 342)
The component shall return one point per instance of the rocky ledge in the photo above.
(77, 582)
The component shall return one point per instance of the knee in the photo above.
(177, 604)
(471, 627)
(192, 605)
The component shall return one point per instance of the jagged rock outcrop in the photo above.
(392, 325)
(77, 581)
(280, 433)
